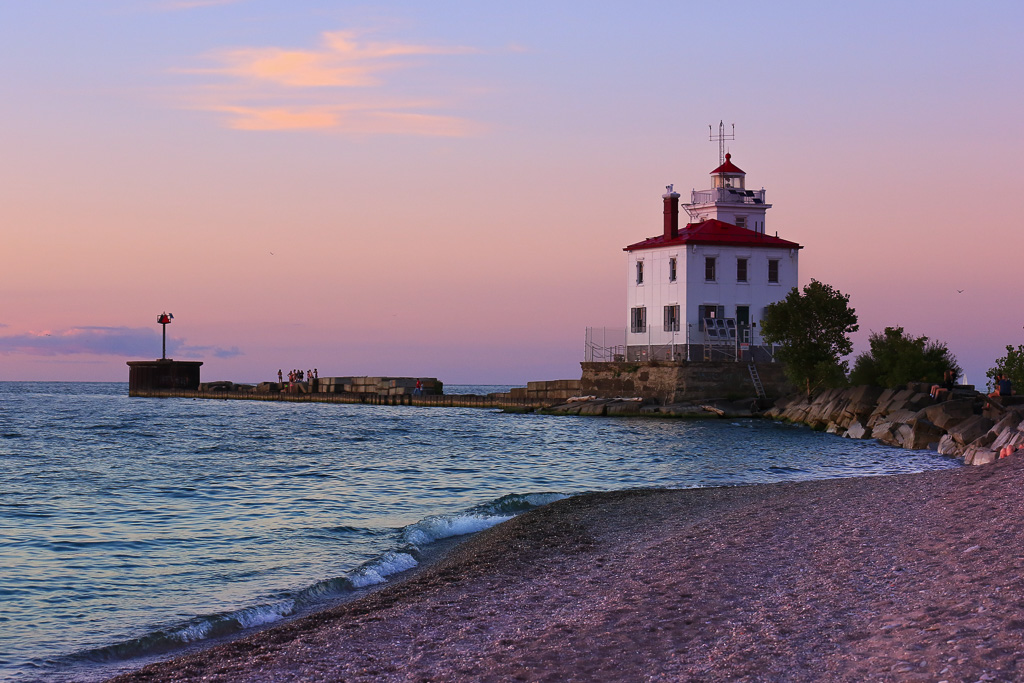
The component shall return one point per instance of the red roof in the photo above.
(715, 232)
(728, 167)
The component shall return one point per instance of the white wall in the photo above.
(690, 290)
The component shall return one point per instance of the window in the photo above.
(709, 311)
(741, 221)
(672, 269)
(638, 320)
(672, 318)
(639, 272)
(741, 270)
(773, 270)
(709, 269)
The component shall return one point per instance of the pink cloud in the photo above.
(273, 88)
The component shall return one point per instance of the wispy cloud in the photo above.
(339, 86)
(104, 341)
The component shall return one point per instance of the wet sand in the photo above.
(902, 578)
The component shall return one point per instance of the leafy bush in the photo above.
(814, 328)
(1011, 365)
(897, 358)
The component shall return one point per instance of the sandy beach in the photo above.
(901, 578)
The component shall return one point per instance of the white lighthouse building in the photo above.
(698, 292)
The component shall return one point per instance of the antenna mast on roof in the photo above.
(721, 138)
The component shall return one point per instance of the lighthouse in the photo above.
(697, 292)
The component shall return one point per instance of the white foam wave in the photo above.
(246, 618)
(538, 499)
(434, 528)
(377, 571)
(192, 632)
(267, 614)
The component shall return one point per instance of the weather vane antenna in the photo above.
(721, 138)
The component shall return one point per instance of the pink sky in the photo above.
(445, 189)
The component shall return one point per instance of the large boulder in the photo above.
(948, 413)
(949, 446)
(903, 433)
(888, 433)
(970, 429)
(857, 431)
(979, 456)
(923, 434)
(861, 401)
(1008, 437)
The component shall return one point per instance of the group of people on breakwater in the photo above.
(298, 376)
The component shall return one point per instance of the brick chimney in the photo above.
(671, 213)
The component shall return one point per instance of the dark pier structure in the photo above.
(145, 376)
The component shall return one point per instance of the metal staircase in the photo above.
(756, 380)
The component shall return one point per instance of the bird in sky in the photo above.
(959, 291)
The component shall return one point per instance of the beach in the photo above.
(892, 578)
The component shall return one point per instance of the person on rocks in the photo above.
(1003, 387)
(280, 377)
(940, 392)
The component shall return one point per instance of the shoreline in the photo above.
(902, 577)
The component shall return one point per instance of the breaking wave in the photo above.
(412, 540)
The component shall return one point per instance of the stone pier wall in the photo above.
(681, 381)
(426, 400)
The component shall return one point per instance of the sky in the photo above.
(444, 189)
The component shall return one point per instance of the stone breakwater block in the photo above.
(857, 431)
(948, 414)
(566, 409)
(923, 434)
(623, 408)
(593, 408)
(971, 428)
(680, 410)
(949, 446)
(979, 456)
(883, 431)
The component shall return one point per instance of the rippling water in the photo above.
(133, 527)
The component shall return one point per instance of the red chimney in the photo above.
(671, 213)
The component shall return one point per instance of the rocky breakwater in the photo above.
(969, 425)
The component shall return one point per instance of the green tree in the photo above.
(1011, 365)
(896, 358)
(814, 328)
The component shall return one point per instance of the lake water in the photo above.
(131, 528)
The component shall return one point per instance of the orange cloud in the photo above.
(343, 61)
(300, 89)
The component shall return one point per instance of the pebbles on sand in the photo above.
(900, 578)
